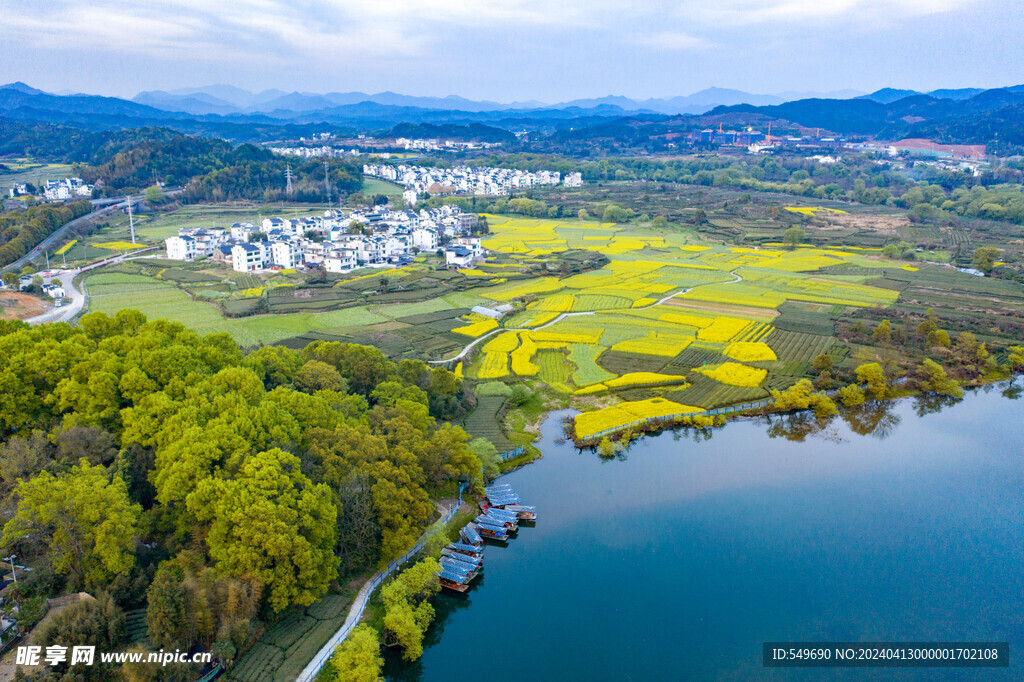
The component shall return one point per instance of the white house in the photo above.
(284, 254)
(340, 260)
(410, 197)
(241, 231)
(459, 256)
(246, 258)
(181, 248)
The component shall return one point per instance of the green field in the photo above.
(110, 292)
(375, 186)
(34, 173)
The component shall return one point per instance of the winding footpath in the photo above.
(355, 612)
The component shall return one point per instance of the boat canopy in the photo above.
(457, 568)
(464, 548)
(471, 535)
(463, 558)
(521, 508)
(502, 514)
(503, 499)
(453, 578)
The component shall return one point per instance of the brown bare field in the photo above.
(18, 306)
(889, 224)
(725, 308)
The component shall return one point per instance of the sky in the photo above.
(511, 50)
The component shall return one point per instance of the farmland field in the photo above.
(600, 311)
(707, 325)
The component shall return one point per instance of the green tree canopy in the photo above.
(83, 517)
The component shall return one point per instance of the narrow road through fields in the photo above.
(79, 297)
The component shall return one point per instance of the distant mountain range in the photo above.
(235, 114)
(227, 99)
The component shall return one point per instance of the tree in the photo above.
(407, 609)
(851, 395)
(95, 622)
(793, 237)
(319, 376)
(86, 520)
(932, 378)
(272, 524)
(155, 195)
(488, 456)
(873, 375)
(985, 258)
(10, 280)
(358, 658)
(822, 363)
(883, 332)
(801, 396)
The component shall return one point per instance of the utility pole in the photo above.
(327, 186)
(11, 559)
(47, 255)
(131, 220)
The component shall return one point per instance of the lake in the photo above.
(676, 560)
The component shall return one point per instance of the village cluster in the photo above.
(337, 241)
(465, 180)
(53, 190)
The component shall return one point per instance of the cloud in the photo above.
(672, 40)
(730, 13)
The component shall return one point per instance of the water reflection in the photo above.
(887, 522)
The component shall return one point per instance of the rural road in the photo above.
(43, 246)
(79, 298)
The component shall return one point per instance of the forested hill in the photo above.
(160, 470)
(992, 117)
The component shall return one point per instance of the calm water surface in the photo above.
(678, 559)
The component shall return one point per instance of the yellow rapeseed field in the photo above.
(626, 413)
(521, 356)
(67, 247)
(723, 329)
(495, 366)
(645, 379)
(505, 342)
(735, 374)
(750, 352)
(477, 328)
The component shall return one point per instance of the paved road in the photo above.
(79, 297)
(107, 205)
